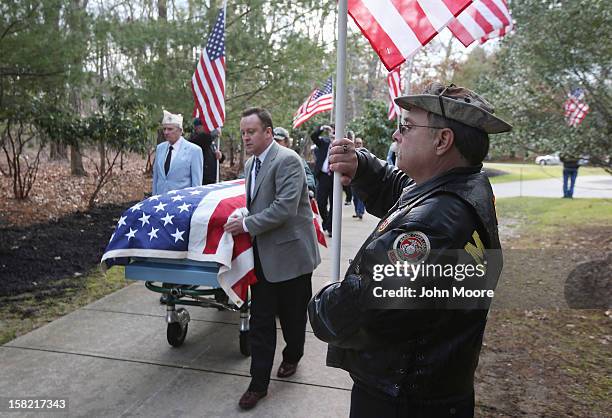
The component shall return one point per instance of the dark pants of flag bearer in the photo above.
(288, 300)
(325, 194)
(365, 404)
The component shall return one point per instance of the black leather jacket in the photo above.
(426, 354)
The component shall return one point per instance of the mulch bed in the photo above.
(52, 235)
(32, 258)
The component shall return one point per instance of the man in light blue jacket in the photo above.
(178, 162)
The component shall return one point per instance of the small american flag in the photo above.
(208, 80)
(575, 108)
(188, 224)
(394, 80)
(319, 101)
(316, 219)
(397, 29)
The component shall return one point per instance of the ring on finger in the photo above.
(344, 148)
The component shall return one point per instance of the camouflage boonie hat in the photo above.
(459, 104)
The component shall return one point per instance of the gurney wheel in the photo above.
(245, 348)
(176, 334)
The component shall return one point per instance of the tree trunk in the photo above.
(102, 151)
(58, 151)
(76, 162)
(241, 160)
(162, 14)
(231, 150)
(446, 67)
(371, 77)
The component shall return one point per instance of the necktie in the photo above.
(168, 158)
(257, 166)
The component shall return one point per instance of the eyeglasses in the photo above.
(405, 128)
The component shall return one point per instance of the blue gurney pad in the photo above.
(190, 272)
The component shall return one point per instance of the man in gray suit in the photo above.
(285, 250)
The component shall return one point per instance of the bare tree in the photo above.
(23, 168)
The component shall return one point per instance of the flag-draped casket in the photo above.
(188, 224)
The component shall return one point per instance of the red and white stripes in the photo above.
(397, 29)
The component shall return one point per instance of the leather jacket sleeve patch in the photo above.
(412, 247)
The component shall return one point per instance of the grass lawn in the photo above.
(542, 358)
(545, 214)
(516, 172)
(23, 313)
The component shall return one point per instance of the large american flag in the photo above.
(188, 224)
(575, 108)
(397, 29)
(394, 80)
(208, 80)
(482, 20)
(320, 100)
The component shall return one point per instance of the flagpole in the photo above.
(218, 149)
(339, 105)
(219, 137)
(332, 113)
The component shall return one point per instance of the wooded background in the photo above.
(78, 74)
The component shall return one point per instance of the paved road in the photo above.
(586, 186)
(111, 359)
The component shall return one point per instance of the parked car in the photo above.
(550, 159)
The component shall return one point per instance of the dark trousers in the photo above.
(325, 194)
(365, 404)
(349, 194)
(569, 181)
(288, 300)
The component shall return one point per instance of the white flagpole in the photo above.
(331, 114)
(340, 107)
(218, 149)
(219, 129)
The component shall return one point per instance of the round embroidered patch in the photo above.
(412, 247)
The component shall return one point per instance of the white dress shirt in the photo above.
(262, 158)
(175, 147)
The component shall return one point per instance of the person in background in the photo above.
(392, 154)
(212, 156)
(281, 136)
(570, 172)
(178, 163)
(322, 137)
(357, 202)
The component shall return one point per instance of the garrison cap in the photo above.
(459, 104)
(280, 133)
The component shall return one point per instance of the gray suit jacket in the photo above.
(280, 216)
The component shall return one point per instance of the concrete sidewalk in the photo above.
(111, 359)
(586, 186)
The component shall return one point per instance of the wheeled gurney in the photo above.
(167, 275)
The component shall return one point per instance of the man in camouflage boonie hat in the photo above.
(415, 354)
(459, 104)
